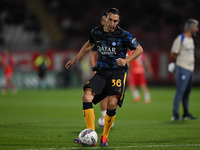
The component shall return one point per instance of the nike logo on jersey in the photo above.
(98, 41)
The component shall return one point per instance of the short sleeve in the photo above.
(176, 46)
(91, 39)
(131, 41)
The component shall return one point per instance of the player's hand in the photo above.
(70, 63)
(121, 62)
(94, 72)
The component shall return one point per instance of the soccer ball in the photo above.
(88, 137)
(101, 122)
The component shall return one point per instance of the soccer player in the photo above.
(112, 43)
(182, 54)
(8, 65)
(137, 77)
(93, 56)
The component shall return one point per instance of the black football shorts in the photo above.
(107, 83)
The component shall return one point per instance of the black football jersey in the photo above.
(111, 46)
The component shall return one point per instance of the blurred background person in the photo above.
(182, 54)
(8, 65)
(137, 77)
(43, 62)
(86, 72)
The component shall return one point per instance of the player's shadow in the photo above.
(100, 131)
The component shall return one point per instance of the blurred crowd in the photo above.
(20, 29)
(155, 23)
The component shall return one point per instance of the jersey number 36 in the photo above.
(117, 82)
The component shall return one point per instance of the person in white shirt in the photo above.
(182, 54)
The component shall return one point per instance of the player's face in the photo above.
(111, 23)
(195, 30)
(103, 20)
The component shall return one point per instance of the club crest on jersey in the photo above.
(114, 44)
(106, 50)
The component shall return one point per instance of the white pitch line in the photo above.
(119, 147)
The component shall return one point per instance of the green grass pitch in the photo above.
(50, 119)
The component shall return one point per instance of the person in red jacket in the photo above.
(137, 77)
(8, 65)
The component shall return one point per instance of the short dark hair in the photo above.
(113, 10)
(105, 13)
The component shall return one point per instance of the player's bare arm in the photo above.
(85, 49)
(138, 51)
(93, 55)
(173, 56)
(148, 65)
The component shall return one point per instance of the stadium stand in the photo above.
(154, 23)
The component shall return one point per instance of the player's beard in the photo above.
(111, 29)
